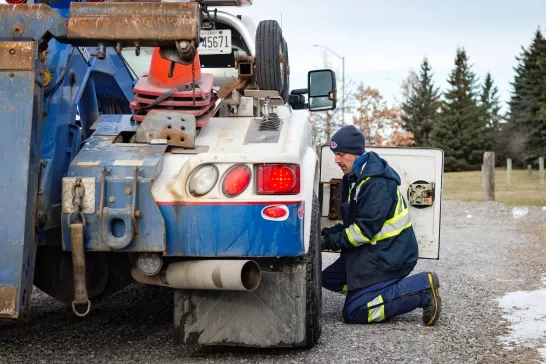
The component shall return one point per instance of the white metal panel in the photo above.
(412, 164)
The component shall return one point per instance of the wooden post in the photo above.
(489, 176)
(541, 169)
(509, 170)
(529, 170)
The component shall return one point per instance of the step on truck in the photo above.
(160, 143)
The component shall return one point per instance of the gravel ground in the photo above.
(483, 256)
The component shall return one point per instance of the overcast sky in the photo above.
(383, 40)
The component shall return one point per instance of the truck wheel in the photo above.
(286, 83)
(105, 273)
(314, 280)
(284, 311)
(270, 65)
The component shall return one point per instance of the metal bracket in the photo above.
(245, 66)
(17, 56)
(126, 215)
(167, 127)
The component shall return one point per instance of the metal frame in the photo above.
(41, 136)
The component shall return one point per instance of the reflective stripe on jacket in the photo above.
(392, 227)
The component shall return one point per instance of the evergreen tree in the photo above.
(459, 130)
(512, 134)
(534, 101)
(525, 133)
(490, 109)
(422, 107)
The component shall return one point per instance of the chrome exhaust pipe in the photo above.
(229, 275)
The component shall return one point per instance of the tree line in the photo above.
(464, 120)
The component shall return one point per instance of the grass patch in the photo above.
(523, 191)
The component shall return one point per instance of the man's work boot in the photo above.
(432, 310)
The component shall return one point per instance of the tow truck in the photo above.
(160, 143)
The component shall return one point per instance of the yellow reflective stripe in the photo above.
(344, 290)
(394, 219)
(390, 234)
(392, 227)
(360, 185)
(357, 188)
(355, 235)
(351, 238)
(376, 314)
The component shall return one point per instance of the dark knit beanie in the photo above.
(348, 139)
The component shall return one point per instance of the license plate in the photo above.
(215, 42)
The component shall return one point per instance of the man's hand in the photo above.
(325, 247)
(326, 233)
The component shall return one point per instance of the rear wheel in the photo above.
(106, 273)
(270, 63)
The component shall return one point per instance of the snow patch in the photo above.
(526, 313)
(519, 212)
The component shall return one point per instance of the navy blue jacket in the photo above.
(394, 257)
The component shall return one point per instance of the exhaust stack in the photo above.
(228, 275)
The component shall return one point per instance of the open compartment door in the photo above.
(421, 171)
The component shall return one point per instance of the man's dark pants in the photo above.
(380, 301)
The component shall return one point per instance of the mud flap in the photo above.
(421, 172)
(284, 311)
(271, 316)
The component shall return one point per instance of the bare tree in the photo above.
(410, 83)
(326, 123)
(380, 123)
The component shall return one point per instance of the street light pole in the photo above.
(342, 79)
(343, 89)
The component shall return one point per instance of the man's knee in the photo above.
(360, 312)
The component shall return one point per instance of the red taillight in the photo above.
(236, 181)
(277, 179)
(16, 1)
(275, 212)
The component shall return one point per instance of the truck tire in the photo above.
(286, 83)
(284, 311)
(269, 65)
(314, 279)
(106, 273)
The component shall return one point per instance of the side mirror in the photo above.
(322, 90)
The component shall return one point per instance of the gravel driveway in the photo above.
(485, 253)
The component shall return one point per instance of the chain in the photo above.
(77, 196)
(193, 81)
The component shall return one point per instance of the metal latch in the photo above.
(334, 203)
(421, 194)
